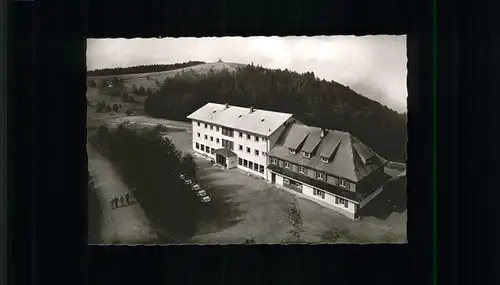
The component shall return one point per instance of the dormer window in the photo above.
(306, 154)
(344, 183)
(292, 151)
(324, 159)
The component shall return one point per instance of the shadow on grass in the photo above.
(391, 200)
(221, 212)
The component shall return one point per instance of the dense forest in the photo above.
(141, 69)
(151, 165)
(313, 101)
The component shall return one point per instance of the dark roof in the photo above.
(225, 152)
(295, 139)
(312, 141)
(349, 158)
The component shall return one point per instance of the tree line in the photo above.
(150, 164)
(141, 69)
(313, 101)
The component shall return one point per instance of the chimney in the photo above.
(226, 106)
(323, 133)
(251, 110)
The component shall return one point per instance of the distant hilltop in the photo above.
(162, 69)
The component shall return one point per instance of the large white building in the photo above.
(236, 136)
(330, 167)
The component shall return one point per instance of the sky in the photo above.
(374, 66)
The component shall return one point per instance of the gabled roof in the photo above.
(259, 122)
(312, 141)
(349, 158)
(296, 138)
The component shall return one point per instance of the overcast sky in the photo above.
(374, 66)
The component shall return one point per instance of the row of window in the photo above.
(301, 169)
(251, 165)
(308, 155)
(205, 148)
(230, 132)
(230, 145)
(338, 200)
(256, 152)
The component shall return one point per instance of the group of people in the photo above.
(120, 200)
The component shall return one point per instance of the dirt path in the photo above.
(127, 224)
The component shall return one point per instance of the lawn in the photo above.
(253, 208)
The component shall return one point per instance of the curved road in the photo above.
(127, 224)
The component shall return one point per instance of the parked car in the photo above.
(196, 187)
(201, 193)
(205, 199)
(189, 182)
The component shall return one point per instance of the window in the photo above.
(211, 139)
(274, 160)
(197, 146)
(202, 147)
(248, 149)
(319, 193)
(264, 153)
(301, 169)
(324, 159)
(241, 134)
(240, 147)
(256, 152)
(263, 139)
(256, 138)
(206, 137)
(227, 144)
(255, 167)
(250, 164)
(217, 129)
(206, 126)
(240, 161)
(261, 168)
(217, 140)
(207, 149)
(198, 124)
(306, 154)
(211, 127)
(295, 184)
(199, 135)
(292, 151)
(344, 183)
(249, 136)
(287, 164)
(228, 132)
(320, 176)
(245, 162)
(341, 201)
(212, 151)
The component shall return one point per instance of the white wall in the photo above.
(370, 197)
(210, 133)
(308, 192)
(261, 145)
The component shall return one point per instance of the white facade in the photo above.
(251, 149)
(339, 204)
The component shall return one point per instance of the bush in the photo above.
(159, 190)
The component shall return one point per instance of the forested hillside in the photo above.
(312, 101)
(141, 69)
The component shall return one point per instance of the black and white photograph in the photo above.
(247, 140)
